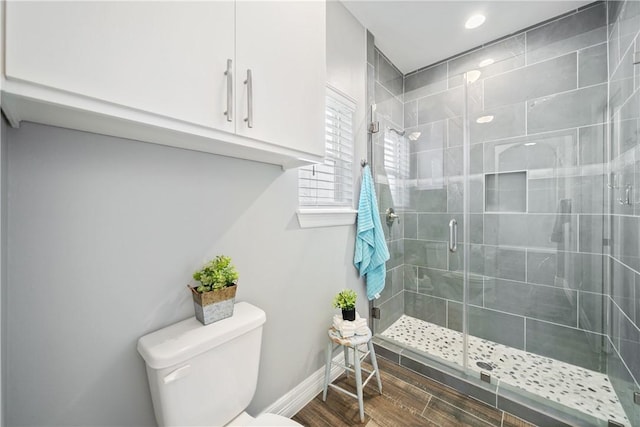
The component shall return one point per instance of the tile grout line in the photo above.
(627, 49)
(526, 119)
(614, 302)
(624, 363)
(578, 310)
(526, 52)
(445, 91)
(515, 314)
(524, 55)
(577, 69)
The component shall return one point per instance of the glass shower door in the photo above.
(433, 238)
(420, 175)
(390, 169)
(536, 180)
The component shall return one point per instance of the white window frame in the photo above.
(332, 213)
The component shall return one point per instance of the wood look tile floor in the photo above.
(408, 399)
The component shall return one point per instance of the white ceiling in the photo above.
(414, 34)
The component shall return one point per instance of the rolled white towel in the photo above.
(347, 334)
(349, 328)
(359, 322)
(363, 330)
(337, 322)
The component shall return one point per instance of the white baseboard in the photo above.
(297, 398)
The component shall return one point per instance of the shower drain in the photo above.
(484, 365)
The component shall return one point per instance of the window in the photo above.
(325, 191)
(396, 166)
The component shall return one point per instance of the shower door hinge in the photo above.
(606, 242)
(636, 398)
(485, 377)
(374, 125)
(375, 312)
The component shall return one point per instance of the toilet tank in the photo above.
(204, 375)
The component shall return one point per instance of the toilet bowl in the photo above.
(207, 375)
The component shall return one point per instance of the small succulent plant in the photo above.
(216, 274)
(345, 299)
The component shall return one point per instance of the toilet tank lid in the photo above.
(184, 340)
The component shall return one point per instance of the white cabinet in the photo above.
(155, 71)
(166, 58)
(283, 44)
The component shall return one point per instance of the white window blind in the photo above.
(330, 184)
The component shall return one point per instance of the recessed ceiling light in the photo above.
(473, 75)
(475, 21)
(484, 119)
(529, 144)
(486, 62)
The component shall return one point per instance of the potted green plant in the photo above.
(214, 297)
(346, 301)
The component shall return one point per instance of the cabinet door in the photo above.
(167, 58)
(283, 44)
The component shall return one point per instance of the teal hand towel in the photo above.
(371, 251)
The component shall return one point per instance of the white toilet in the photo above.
(207, 375)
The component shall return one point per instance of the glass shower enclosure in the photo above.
(500, 269)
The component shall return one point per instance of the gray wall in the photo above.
(529, 289)
(104, 233)
(624, 220)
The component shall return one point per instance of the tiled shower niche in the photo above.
(506, 192)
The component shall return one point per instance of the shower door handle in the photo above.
(453, 235)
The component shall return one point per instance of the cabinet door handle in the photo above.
(229, 74)
(248, 82)
(453, 235)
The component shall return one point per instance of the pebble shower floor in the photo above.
(577, 388)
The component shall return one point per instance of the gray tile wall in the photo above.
(622, 263)
(537, 190)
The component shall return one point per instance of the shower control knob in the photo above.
(391, 216)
